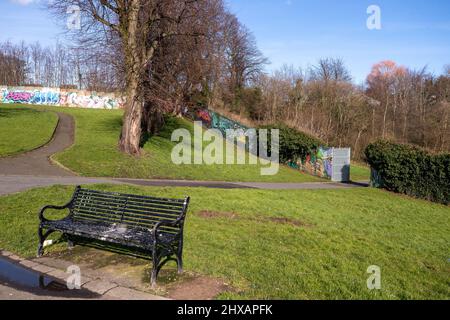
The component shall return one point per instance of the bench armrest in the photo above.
(164, 224)
(66, 206)
(175, 223)
(41, 212)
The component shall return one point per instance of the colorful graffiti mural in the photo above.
(318, 163)
(29, 96)
(328, 163)
(213, 120)
(376, 181)
(56, 96)
(92, 100)
(203, 116)
(16, 97)
(48, 97)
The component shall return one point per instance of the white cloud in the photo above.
(23, 2)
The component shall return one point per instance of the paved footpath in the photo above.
(37, 162)
(17, 183)
(34, 169)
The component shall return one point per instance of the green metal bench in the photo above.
(140, 225)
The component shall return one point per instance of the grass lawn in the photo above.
(95, 153)
(24, 129)
(303, 244)
(359, 172)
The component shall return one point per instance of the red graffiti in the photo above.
(204, 116)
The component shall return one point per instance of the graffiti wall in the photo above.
(318, 163)
(61, 97)
(213, 120)
(376, 181)
(328, 163)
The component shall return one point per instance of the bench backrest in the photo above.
(126, 209)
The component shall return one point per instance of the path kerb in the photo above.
(99, 286)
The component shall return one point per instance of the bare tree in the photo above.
(182, 69)
(140, 26)
(13, 64)
(245, 61)
(330, 69)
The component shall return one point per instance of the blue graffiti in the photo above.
(45, 98)
(34, 97)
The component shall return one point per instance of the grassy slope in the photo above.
(343, 233)
(95, 153)
(98, 130)
(360, 172)
(13, 120)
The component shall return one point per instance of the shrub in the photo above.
(294, 144)
(410, 170)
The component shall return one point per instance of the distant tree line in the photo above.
(55, 66)
(396, 103)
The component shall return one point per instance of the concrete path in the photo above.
(37, 162)
(9, 293)
(18, 183)
(243, 185)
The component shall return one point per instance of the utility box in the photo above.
(341, 165)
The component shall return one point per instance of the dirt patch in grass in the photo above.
(198, 288)
(214, 214)
(232, 215)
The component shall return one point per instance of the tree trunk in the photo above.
(385, 117)
(131, 129)
(153, 118)
(356, 151)
(373, 123)
(394, 115)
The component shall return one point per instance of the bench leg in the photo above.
(70, 244)
(41, 236)
(158, 263)
(155, 269)
(180, 260)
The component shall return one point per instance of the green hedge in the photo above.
(410, 170)
(294, 144)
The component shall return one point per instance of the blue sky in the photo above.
(414, 33)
